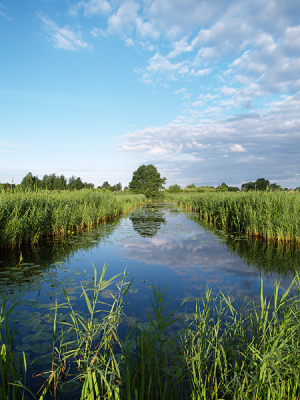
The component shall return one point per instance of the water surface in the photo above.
(157, 245)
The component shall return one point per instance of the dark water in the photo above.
(157, 244)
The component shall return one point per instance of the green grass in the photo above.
(224, 351)
(268, 215)
(28, 216)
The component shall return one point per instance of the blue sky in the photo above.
(207, 91)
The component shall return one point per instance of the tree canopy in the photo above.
(260, 184)
(174, 188)
(147, 180)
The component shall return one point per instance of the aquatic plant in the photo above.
(225, 350)
(268, 215)
(28, 216)
(12, 370)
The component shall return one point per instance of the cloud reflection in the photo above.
(195, 262)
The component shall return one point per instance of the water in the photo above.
(157, 245)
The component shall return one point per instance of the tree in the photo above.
(147, 180)
(174, 189)
(29, 181)
(248, 186)
(87, 185)
(222, 188)
(117, 187)
(191, 186)
(275, 187)
(106, 185)
(75, 183)
(233, 189)
(261, 184)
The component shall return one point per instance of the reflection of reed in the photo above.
(279, 258)
(48, 254)
(269, 257)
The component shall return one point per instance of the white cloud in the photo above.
(229, 61)
(176, 18)
(161, 64)
(237, 148)
(200, 72)
(129, 42)
(124, 19)
(98, 32)
(126, 22)
(180, 47)
(184, 93)
(63, 38)
(90, 7)
(266, 144)
(274, 65)
(228, 91)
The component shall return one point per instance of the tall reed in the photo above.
(227, 350)
(269, 215)
(27, 216)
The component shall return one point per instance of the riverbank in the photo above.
(267, 215)
(29, 216)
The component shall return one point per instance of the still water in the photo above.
(158, 245)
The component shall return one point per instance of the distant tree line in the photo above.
(113, 188)
(55, 182)
(260, 184)
(146, 179)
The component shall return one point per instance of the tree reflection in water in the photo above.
(147, 221)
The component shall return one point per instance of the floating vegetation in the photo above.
(189, 299)
(133, 290)
(186, 355)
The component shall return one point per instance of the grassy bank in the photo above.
(27, 216)
(269, 215)
(222, 351)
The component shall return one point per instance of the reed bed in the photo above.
(268, 215)
(224, 351)
(28, 216)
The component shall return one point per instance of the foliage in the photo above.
(260, 184)
(75, 183)
(225, 188)
(174, 189)
(12, 371)
(222, 188)
(85, 348)
(205, 189)
(191, 186)
(147, 180)
(233, 189)
(53, 182)
(29, 181)
(115, 188)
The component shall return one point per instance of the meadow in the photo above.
(29, 216)
(224, 350)
(267, 215)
